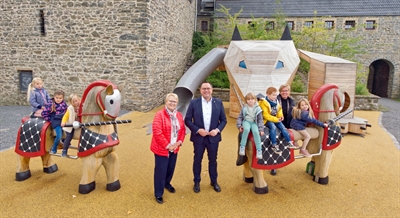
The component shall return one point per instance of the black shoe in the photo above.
(159, 200)
(273, 172)
(170, 189)
(216, 187)
(196, 187)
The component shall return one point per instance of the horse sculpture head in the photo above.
(328, 101)
(101, 101)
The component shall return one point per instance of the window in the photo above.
(204, 25)
(329, 24)
(349, 24)
(242, 64)
(279, 65)
(370, 25)
(309, 24)
(270, 25)
(25, 78)
(290, 25)
(251, 24)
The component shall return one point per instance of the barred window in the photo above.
(309, 24)
(370, 25)
(290, 25)
(270, 25)
(349, 24)
(204, 25)
(329, 24)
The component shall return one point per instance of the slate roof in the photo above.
(306, 8)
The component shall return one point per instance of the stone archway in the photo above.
(379, 78)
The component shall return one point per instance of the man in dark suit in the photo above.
(206, 119)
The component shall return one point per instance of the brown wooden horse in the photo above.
(326, 103)
(100, 103)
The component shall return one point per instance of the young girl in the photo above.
(273, 116)
(53, 112)
(69, 117)
(37, 96)
(250, 118)
(301, 116)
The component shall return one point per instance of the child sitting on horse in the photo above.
(54, 112)
(37, 97)
(250, 118)
(273, 116)
(69, 117)
(301, 116)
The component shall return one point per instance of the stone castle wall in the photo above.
(142, 45)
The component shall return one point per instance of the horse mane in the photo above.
(326, 104)
(89, 110)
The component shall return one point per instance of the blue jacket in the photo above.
(194, 119)
(300, 124)
(36, 99)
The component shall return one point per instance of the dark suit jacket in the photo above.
(194, 119)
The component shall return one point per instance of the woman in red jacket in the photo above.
(168, 135)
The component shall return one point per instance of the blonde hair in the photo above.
(271, 90)
(249, 96)
(173, 95)
(284, 86)
(72, 96)
(30, 86)
(296, 113)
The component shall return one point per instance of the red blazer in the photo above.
(162, 132)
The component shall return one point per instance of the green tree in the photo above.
(316, 38)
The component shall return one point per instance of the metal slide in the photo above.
(192, 79)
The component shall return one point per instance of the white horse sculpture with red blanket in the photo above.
(97, 143)
(327, 102)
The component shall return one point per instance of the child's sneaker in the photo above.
(293, 146)
(242, 151)
(275, 148)
(64, 153)
(259, 154)
(305, 153)
(53, 150)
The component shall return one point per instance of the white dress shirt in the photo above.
(207, 108)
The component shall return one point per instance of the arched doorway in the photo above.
(379, 75)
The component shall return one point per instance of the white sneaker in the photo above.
(241, 151)
(259, 154)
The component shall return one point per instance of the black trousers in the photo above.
(163, 172)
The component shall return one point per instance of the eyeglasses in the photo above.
(172, 101)
(205, 88)
(285, 90)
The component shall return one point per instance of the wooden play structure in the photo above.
(98, 138)
(253, 66)
(327, 69)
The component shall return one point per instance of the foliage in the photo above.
(219, 79)
(316, 39)
(361, 81)
(298, 85)
(361, 89)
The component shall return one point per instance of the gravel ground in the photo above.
(10, 120)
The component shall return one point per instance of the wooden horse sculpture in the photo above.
(326, 103)
(100, 104)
